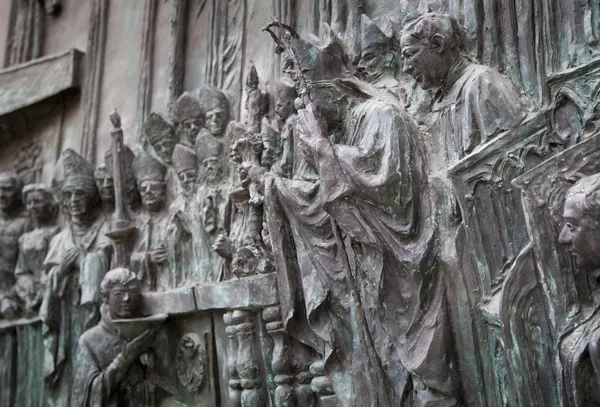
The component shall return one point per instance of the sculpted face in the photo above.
(153, 194)
(216, 120)
(426, 64)
(212, 168)
(373, 62)
(77, 201)
(8, 192)
(164, 147)
(37, 204)
(284, 106)
(124, 300)
(188, 179)
(105, 185)
(580, 233)
(190, 128)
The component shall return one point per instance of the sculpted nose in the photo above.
(565, 236)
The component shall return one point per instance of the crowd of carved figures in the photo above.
(363, 191)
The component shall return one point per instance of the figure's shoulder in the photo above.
(92, 336)
(486, 76)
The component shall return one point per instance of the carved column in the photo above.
(235, 389)
(322, 386)
(280, 364)
(247, 365)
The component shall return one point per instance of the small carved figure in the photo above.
(188, 118)
(161, 136)
(215, 106)
(257, 102)
(378, 64)
(77, 260)
(190, 362)
(189, 244)
(33, 246)
(106, 189)
(150, 258)
(109, 369)
(12, 225)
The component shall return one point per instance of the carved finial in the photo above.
(252, 79)
(115, 119)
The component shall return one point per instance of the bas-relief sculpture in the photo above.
(415, 209)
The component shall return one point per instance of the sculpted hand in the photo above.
(311, 129)
(69, 260)
(139, 345)
(223, 246)
(158, 255)
(182, 223)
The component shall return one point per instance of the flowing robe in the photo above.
(152, 233)
(71, 303)
(476, 105)
(372, 184)
(190, 253)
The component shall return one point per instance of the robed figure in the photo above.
(387, 343)
(77, 259)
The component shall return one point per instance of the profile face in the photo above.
(8, 192)
(216, 120)
(580, 233)
(422, 62)
(153, 194)
(372, 61)
(124, 300)
(284, 106)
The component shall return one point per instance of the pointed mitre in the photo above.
(316, 59)
(76, 169)
(371, 36)
(157, 128)
(127, 157)
(184, 158)
(211, 98)
(186, 106)
(207, 146)
(148, 168)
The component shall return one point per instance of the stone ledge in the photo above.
(26, 84)
(256, 292)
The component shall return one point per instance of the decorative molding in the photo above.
(26, 84)
(179, 25)
(144, 102)
(92, 88)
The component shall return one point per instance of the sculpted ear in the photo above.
(439, 44)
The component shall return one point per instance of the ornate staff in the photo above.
(122, 228)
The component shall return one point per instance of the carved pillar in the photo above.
(321, 385)
(247, 365)
(280, 364)
(235, 393)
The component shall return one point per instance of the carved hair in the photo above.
(587, 189)
(427, 26)
(121, 275)
(52, 204)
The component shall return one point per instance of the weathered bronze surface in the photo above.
(311, 203)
